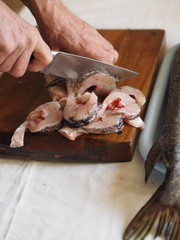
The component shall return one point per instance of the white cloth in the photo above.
(52, 201)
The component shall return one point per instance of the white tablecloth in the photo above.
(59, 201)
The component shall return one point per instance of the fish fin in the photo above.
(154, 155)
(155, 219)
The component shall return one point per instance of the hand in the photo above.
(62, 30)
(19, 41)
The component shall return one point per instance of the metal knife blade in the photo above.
(73, 66)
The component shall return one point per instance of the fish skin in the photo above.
(108, 124)
(77, 88)
(161, 214)
(36, 122)
(98, 82)
(73, 117)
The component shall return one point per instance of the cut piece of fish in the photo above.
(135, 93)
(57, 92)
(17, 139)
(46, 117)
(100, 83)
(108, 124)
(71, 133)
(120, 103)
(80, 111)
(136, 122)
(50, 78)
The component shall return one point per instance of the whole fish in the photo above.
(160, 216)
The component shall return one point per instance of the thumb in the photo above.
(41, 57)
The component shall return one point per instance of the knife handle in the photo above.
(52, 51)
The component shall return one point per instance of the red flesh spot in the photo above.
(116, 103)
(40, 117)
(37, 120)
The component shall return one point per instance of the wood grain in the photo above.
(139, 50)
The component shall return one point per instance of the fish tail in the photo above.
(154, 155)
(155, 219)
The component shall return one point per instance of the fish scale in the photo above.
(160, 216)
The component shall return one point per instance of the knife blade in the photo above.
(67, 65)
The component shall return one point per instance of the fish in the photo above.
(45, 118)
(120, 103)
(71, 133)
(79, 111)
(135, 93)
(57, 92)
(160, 216)
(110, 123)
(136, 122)
(101, 83)
(90, 104)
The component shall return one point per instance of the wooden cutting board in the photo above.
(139, 50)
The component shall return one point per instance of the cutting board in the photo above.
(139, 50)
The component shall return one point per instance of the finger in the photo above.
(9, 61)
(110, 54)
(115, 56)
(42, 56)
(21, 64)
(3, 57)
(101, 54)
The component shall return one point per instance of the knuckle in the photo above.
(16, 72)
(5, 68)
(6, 49)
(30, 41)
(20, 44)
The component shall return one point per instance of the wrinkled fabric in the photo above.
(45, 201)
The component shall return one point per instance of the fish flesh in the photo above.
(135, 93)
(46, 117)
(80, 111)
(136, 122)
(57, 92)
(71, 133)
(90, 104)
(161, 214)
(120, 103)
(100, 83)
(110, 123)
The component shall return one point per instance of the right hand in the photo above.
(18, 42)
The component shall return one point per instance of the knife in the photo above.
(73, 66)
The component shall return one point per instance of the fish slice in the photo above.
(73, 66)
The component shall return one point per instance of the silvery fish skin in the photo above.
(161, 214)
(101, 83)
(108, 124)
